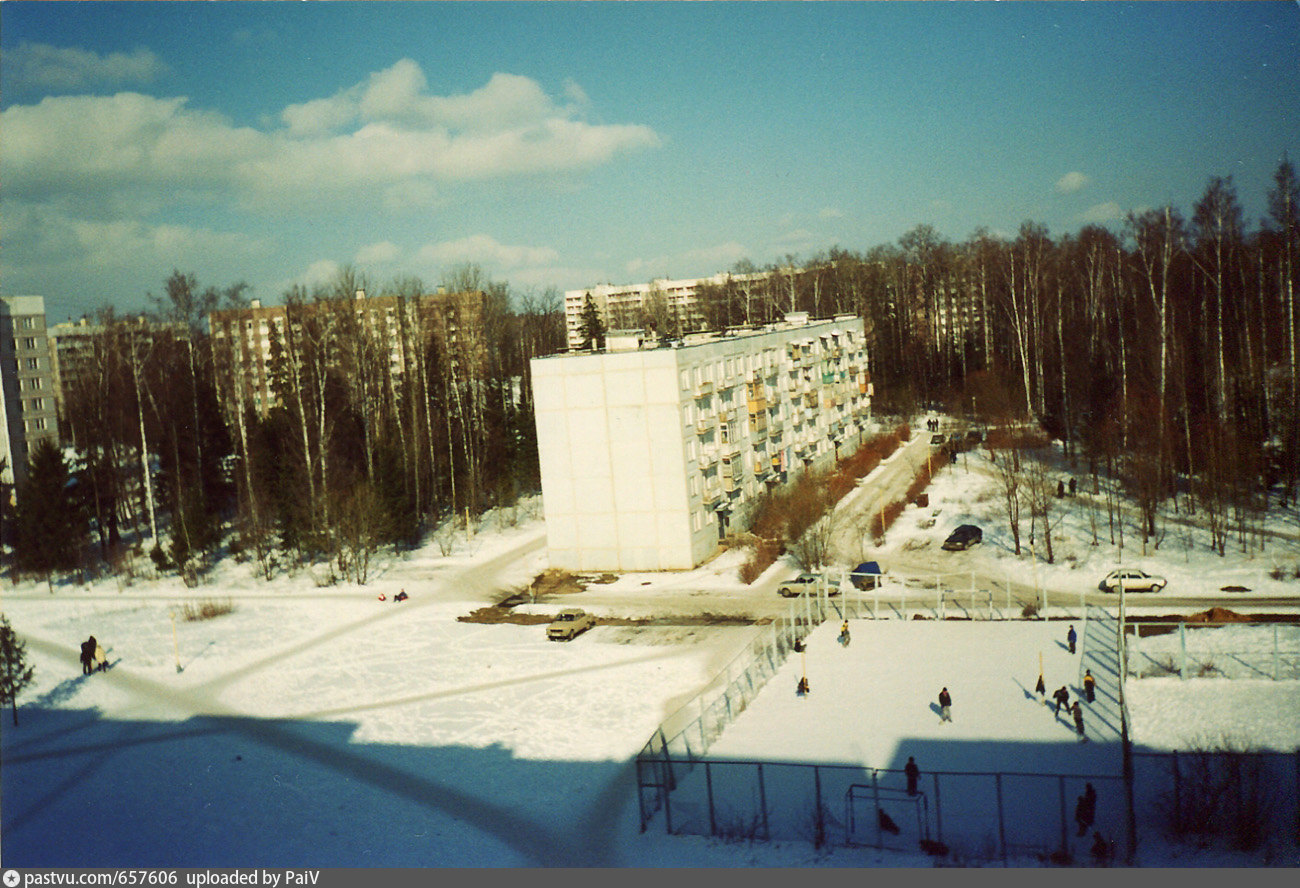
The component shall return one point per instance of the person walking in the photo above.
(101, 658)
(1062, 698)
(913, 775)
(1085, 811)
(1089, 686)
(1077, 711)
(88, 655)
(1071, 637)
(945, 705)
(1041, 688)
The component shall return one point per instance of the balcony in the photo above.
(703, 389)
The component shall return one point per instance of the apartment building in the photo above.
(242, 337)
(77, 350)
(27, 391)
(650, 455)
(623, 307)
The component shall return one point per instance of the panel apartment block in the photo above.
(650, 456)
(27, 395)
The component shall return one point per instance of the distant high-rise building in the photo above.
(27, 391)
(624, 307)
(242, 337)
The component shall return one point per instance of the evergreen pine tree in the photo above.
(593, 330)
(15, 674)
(50, 523)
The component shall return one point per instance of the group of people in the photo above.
(93, 656)
(1062, 694)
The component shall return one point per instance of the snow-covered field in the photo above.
(325, 727)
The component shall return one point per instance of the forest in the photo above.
(1162, 352)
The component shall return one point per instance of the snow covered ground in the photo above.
(324, 727)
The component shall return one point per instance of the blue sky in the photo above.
(559, 144)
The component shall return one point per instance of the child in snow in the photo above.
(945, 705)
(913, 772)
(1077, 711)
(844, 634)
(1070, 638)
(1089, 686)
(1062, 698)
(101, 658)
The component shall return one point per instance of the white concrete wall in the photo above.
(611, 444)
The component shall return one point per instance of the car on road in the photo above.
(937, 440)
(1133, 580)
(965, 536)
(804, 584)
(867, 575)
(569, 623)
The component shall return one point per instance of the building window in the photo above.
(33, 363)
(29, 343)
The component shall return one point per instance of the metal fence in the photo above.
(1248, 799)
(1208, 649)
(963, 815)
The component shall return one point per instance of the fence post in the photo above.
(875, 789)
(820, 820)
(938, 810)
(1065, 841)
(1277, 672)
(1002, 829)
(1182, 644)
(708, 782)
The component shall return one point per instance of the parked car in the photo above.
(866, 575)
(937, 440)
(1134, 580)
(963, 537)
(804, 584)
(569, 623)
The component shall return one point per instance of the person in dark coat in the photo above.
(1077, 712)
(913, 775)
(1089, 686)
(1102, 850)
(88, 655)
(1085, 810)
(1041, 688)
(1062, 698)
(1070, 638)
(945, 705)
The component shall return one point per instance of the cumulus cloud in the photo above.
(378, 253)
(58, 68)
(700, 262)
(485, 250)
(1102, 213)
(1071, 182)
(366, 143)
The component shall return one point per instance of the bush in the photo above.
(207, 609)
(1220, 791)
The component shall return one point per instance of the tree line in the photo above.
(1163, 351)
(375, 432)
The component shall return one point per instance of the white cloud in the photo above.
(45, 67)
(701, 262)
(830, 213)
(378, 253)
(1071, 182)
(1102, 213)
(366, 144)
(487, 251)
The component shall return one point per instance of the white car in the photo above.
(569, 623)
(1134, 580)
